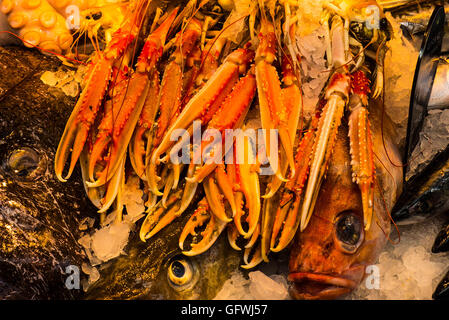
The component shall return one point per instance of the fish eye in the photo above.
(181, 273)
(25, 163)
(349, 231)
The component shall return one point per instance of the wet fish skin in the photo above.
(321, 265)
(441, 243)
(433, 201)
(442, 290)
(39, 216)
(143, 272)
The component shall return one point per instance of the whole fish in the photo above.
(157, 269)
(328, 259)
(39, 217)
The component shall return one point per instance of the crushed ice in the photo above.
(259, 286)
(409, 270)
(399, 69)
(108, 242)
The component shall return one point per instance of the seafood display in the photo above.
(191, 134)
(219, 96)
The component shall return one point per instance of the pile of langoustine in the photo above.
(172, 66)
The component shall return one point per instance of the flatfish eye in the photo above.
(349, 231)
(181, 273)
(26, 164)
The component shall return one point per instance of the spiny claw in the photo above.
(198, 218)
(189, 191)
(230, 116)
(84, 114)
(215, 199)
(145, 129)
(82, 117)
(126, 113)
(290, 226)
(273, 113)
(247, 180)
(210, 97)
(337, 95)
(288, 217)
(167, 188)
(159, 217)
(269, 210)
(171, 99)
(362, 161)
(209, 235)
(226, 186)
(293, 102)
(256, 257)
(114, 187)
(233, 234)
(124, 125)
(361, 144)
(104, 135)
(254, 237)
(325, 137)
(154, 43)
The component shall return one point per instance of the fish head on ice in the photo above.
(329, 258)
(39, 217)
(157, 269)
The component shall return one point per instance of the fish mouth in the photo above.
(316, 286)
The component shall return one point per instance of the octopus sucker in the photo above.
(38, 24)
